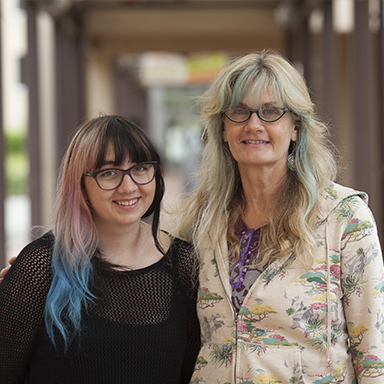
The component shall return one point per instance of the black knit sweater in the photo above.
(143, 330)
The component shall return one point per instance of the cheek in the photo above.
(225, 136)
(87, 193)
(294, 135)
(150, 190)
(91, 192)
(292, 132)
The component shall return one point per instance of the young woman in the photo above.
(103, 297)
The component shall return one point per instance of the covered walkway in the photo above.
(82, 70)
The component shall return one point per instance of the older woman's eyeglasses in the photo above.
(111, 178)
(267, 114)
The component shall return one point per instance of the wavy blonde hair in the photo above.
(219, 200)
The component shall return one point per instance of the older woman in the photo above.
(291, 285)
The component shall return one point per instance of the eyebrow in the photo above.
(268, 104)
(112, 163)
(107, 162)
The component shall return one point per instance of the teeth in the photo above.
(127, 203)
(255, 141)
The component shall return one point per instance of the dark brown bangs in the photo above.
(127, 139)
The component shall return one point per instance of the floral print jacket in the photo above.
(315, 326)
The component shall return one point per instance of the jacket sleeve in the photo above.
(22, 299)
(362, 282)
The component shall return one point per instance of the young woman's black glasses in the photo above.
(111, 178)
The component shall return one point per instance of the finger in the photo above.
(11, 260)
(4, 272)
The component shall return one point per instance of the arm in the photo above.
(189, 275)
(363, 287)
(193, 348)
(22, 299)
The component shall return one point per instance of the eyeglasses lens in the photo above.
(239, 115)
(112, 178)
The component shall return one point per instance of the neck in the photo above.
(134, 248)
(260, 187)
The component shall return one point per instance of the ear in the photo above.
(294, 134)
(224, 134)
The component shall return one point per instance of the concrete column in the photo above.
(33, 126)
(381, 102)
(47, 113)
(367, 107)
(99, 83)
(331, 97)
(69, 81)
(157, 124)
(2, 175)
(131, 97)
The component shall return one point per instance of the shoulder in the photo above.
(334, 196)
(33, 264)
(183, 247)
(40, 248)
(185, 260)
(43, 243)
(339, 192)
(184, 253)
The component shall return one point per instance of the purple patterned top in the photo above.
(248, 274)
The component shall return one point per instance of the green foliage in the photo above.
(352, 283)
(221, 354)
(290, 311)
(16, 162)
(16, 142)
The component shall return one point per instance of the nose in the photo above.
(127, 185)
(254, 122)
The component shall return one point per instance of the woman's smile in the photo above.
(127, 203)
(255, 142)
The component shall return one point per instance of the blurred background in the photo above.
(64, 61)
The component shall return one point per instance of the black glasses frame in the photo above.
(124, 172)
(257, 111)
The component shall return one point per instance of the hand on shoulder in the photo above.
(4, 271)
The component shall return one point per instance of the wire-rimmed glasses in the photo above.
(235, 279)
(267, 114)
(111, 178)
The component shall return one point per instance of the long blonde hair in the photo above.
(219, 200)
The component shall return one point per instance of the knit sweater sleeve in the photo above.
(188, 273)
(22, 299)
(363, 290)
